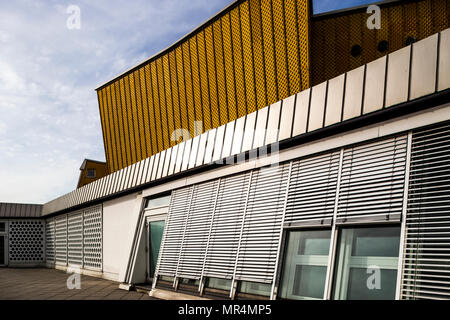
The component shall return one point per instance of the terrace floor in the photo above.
(51, 284)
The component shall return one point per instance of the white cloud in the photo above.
(49, 119)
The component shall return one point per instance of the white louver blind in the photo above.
(61, 239)
(372, 181)
(312, 190)
(50, 240)
(75, 239)
(196, 232)
(226, 227)
(173, 232)
(426, 271)
(262, 224)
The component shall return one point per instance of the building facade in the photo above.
(336, 190)
(248, 56)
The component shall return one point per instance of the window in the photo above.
(366, 267)
(216, 283)
(2, 226)
(90, 173)
(305, 266)
(160, 201)
(260, 289)
(190, 282)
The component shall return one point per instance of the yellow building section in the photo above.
(90, 171)
(250, 55)
(341, 42)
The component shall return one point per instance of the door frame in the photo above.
(6, 243)
(152, 215)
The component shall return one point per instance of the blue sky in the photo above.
(49, 120)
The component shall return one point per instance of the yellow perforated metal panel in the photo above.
(220, 67)
(126, 83)
(281, 73)
(147, 151)
(269, 52)
(248, 65)
(203, 77)
(212, 79)
(175, 98)
(151, 110)
(169, 99)
(251, 55)
(333, 36)
(241, 103)
(119, 118)
(229, 68)
(134, 110)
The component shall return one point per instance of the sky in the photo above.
(49, 118)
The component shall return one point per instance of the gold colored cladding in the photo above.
(203, 71)
(126, 84)
(417, 19)
(163, 103)
(280, 49)
(119, 113)
(258, 53)
(229, 68)
(156, 106)
(126, 125)
(175, 98)
(145, 114)
(250, 89)
(114, 130)
(292, 46)
(212, 79)
(195, 80)
(151, 109)
(105, 127)
(304, 41)
(134, 110)
(140, 117)
(220, 67)
(188, 83)
(241, 102)
(182, 88)
(269, 54)
(169, 99)
(198, 80)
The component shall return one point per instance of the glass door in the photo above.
(155, 233)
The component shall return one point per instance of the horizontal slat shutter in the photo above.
(262, 224)
(372, 181)
(61, 240)
(197, 230)
(50, 240)
(224, 238)
(173, 232)
(75, 239)
(426, 271)
(312, 190)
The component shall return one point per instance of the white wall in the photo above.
(119, 224)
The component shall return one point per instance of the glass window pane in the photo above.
(2, 226)
(359, 289)
(261, 289)
(162, 201)
(376, 243)
(305, 264)
(216, 283)
(366, 265)
(304, 287)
